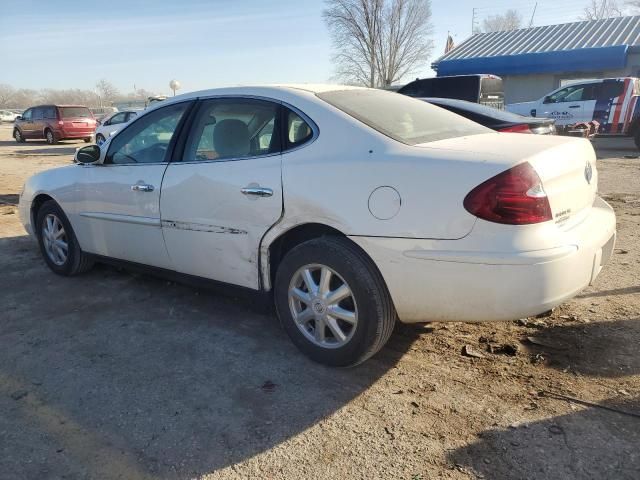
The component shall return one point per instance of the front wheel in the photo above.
(58, 243)
(18, 136)
(333, 302)
(87, 140)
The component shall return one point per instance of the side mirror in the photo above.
(88, 155)
(547, 99)
(19, 117)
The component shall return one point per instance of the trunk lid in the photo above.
(566, 166)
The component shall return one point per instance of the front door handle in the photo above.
(142, 187)
(574, 106)
(257, 191)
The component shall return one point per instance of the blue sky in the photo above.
(204, 44)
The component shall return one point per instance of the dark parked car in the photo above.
(499, 120)
(54, 123)
(484, 89)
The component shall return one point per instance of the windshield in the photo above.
(402, 118)
(75, 112)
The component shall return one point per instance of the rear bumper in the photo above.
(438, 281)
(66, 134)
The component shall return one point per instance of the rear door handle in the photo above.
(257, 191)
(574, 106)
(142, 187)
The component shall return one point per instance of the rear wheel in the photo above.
(49, 137)
(18, 136)
(58, 243)
(333, 302)
(87, 140)
(636, 138)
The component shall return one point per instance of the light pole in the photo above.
(174, 85)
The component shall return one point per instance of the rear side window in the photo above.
(75, 112)
(50, 113)
(611, 89)
(401, 118)
(229, 128)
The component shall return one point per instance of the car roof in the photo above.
(265, 89)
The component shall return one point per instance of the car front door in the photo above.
(225, 191)
(570, 105)
(119, 215)
(26, 124)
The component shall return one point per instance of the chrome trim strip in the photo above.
(114, 217)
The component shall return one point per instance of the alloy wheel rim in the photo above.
(55, 240)
(323, 306)
(49, 137)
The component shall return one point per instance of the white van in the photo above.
(612, 102)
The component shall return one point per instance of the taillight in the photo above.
(513, 197)
(524, 128)
(60, 122)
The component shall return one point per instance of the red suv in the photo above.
(54, 123)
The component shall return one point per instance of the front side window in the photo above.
(573, 93)
(27, 115)
(38, 113)
(147, 140)
(228, 128)
(404, 119)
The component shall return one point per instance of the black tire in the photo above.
(636, 138)
(17, 134)
(375, 312)
(100, 139)
(50, 137)
(76, 260)
(87, 140)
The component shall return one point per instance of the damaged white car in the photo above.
(353, 207)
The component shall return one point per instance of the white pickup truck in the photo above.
(612, 102)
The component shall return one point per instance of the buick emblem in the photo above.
(588, 172)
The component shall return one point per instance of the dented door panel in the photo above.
(210, 227)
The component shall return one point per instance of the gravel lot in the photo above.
(120, 375)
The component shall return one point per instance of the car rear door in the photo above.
(119, 214)
(224, 191)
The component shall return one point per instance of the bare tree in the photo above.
(599, 9)
(107, 91)
(7, 92)
(510, 20)
(377, 42)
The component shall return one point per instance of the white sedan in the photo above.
(352, 207)
(8, 116)
(112, 123)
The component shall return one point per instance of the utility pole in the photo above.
(533, 15)
(473, 21)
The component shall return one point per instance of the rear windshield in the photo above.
(75, 112)
(402, 118)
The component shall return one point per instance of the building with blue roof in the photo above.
(534, 61)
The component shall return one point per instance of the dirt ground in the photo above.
(119, 375)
